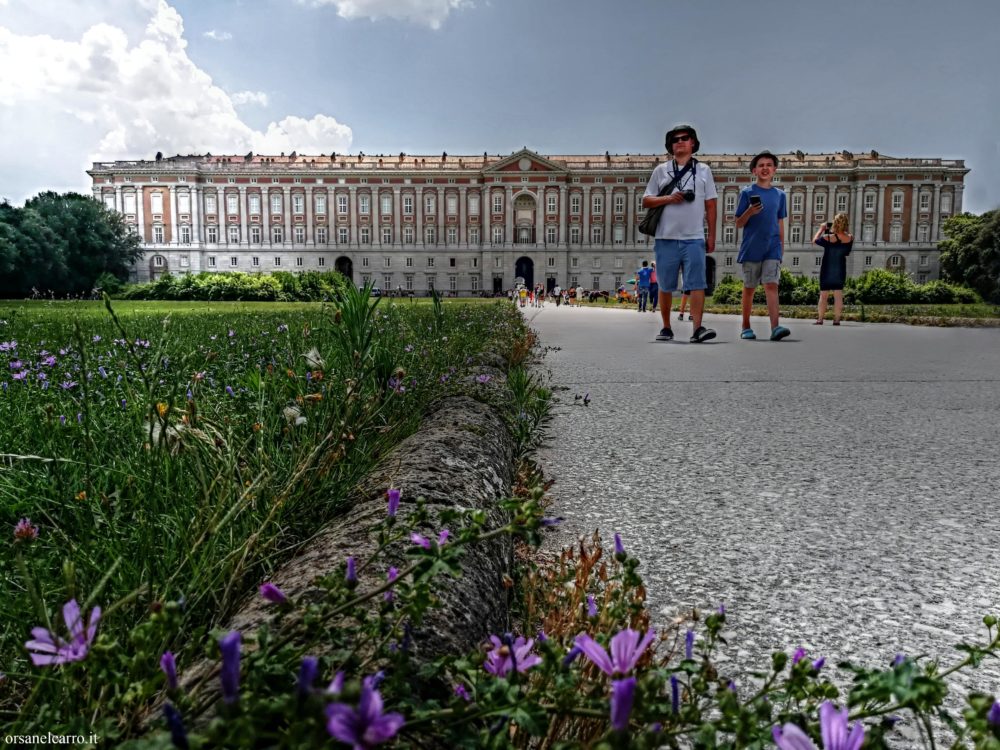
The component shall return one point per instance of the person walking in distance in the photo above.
(761, 211)
(654, 287)
(685, 298)
(642, 283)
(681, 243)
(836, 242)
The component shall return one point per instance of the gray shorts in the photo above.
(761, 272)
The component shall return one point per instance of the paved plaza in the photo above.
(839, 490)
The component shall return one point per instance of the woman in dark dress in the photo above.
(836, 243)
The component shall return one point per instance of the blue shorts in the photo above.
(674, 255)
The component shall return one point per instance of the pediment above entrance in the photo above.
(526, 160)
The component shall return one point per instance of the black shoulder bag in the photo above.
(652, 218)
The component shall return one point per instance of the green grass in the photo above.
(160, 456)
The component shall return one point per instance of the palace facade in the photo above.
(475, 224)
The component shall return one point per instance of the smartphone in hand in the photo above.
(754, 201)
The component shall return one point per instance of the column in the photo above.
(936, 212)
(244, 234)
(540, 218)
(310, 216)
(879, 212)
(609, 210)
(858, 209)
(509, 214)
(286, 194)
(195, 214)
(420, 217)
(788, 219)
(720, 211)
(463, 231)
(397, 219)
(265, 217)
(352, 209)
(140, 214)
(119, 200)
(585, 212)
(563, 216)
(809, 215)
(914, 201)
(172, 197)
(485, 211)
(630, 216)
(441, 208)
(376, 217)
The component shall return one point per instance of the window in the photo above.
(574, 262)
(474, 205)
(277, 261)
(321, 235)
(233, 261)
(595, 262)
(574, 280)
(796, 203)
(923, 232)
(498, 236)
(729, 234)
(620, 203)
(298, 261)
(343, 235)
(638, 204)
(364, 262)
(597, 204)
(453, 283)
(897, 201)
(842, 199)
(409, 263)
(255, 234)
(158, 261)
(895, 233)
(474, 236)
(452, 235)
(619, 234)
(186, 234)
(729, 260)
(550, 203)
(922, 278)
(211, 261)
(595, 282)
(430, 235)
(730, 202)
(277, 234)
(321, 203)
(387, 281)
(574, 203)
(497, 203)
(925, 201)
(820, 201)
(429, 203)
(430, 283)
(474, 262)
(574, 235)
(869, 201)
(619, 263)
(322, 261)
(408, 235)
(156, 202)
(366, 235)
(409, 283)
(452, 204)
(298, 203)
(498, 262)
(254, 204)
(300, 235)
(430, 262)
(795, 260)
(868, 233)
(550, 235)
(924, 260)
(211, 207)
(796, 233)
(233, 203)
(364, 204)
(386, 205)
(551, 262)
(183, 203)
(408, 205)
(386, 235)
(452, 262)
(475, 282)
(946, 203)
(255, 261)
(212, 234)
(596, 235)
(895, 261)
(341, 204)
(234, 234)
(618, 279)
(276, 203)
(868, 260)
(818, 260)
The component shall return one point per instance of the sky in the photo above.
(91, 80)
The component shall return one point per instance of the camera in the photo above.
(829, 226)
(688, 196)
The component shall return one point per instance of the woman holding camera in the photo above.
(836, 242)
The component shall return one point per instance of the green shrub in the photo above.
(281, 286)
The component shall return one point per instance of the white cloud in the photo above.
(430, 13)
(249, 97)
(69, 103)
(218, 36)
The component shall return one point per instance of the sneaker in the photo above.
(702, 334)
(748, 334)
(665, 334)
(779, 333)
(680, 317)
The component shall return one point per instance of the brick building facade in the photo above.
(473, 224)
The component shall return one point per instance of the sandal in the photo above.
(819, 323)
(836, 322)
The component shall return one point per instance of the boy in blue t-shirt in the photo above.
(642, 278)
(761, 212)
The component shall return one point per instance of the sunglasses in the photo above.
(679, 138)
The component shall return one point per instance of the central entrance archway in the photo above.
(344, 265)
(525, 268)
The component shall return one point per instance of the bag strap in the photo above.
(678, 177)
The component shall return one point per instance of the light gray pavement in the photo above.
(839, 490)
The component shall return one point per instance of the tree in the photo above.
(971, 253)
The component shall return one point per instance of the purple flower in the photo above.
(96, 338)
(20, 375)
(230, 674)
(102, 371)
(722, 609)
(675, 694)
(365, 726)
(591, 606)
(307, 675)
(571, 656)
(393, 496)
(443, 537)
(68, 384)
(551, 521)
(507, 656)
(178, 734)
(689, 644)
(900, 658)
(282, 328)
(799, 655)
(833, 729)
(993, 716)
(336, 686)
(461, 692)
(169, 666)
(408, 348)
(420, 541)
(46, 647)
(390, 576)
(622, 695)
(352, 572)
(483, 379)
(229, 390)
(627, 646)
(272, 593)
(49, 361)
(25, 531)
(231, 333)
(619, 547)
(818, 664)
